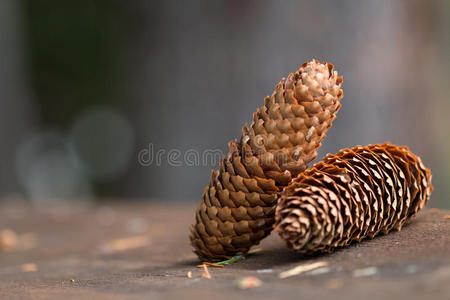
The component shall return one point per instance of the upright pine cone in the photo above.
(237, 208)
(354, 194)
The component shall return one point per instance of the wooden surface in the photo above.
(137, 250)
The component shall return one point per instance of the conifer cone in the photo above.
(237, 208)
(354, 194)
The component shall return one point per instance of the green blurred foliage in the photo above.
(72, 51)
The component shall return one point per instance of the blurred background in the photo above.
(111, 100)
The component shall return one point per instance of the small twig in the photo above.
(255, 250)
(210, 265)
(206, 273)
(302, 269)
(248, 283)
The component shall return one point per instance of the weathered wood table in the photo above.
(142, 250)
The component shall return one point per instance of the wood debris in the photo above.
(126, 243)
(245, 283)
(433, 210)
(447, 217)
(30, 267)
(8, 240)
(11, 241)
(319, 271)
(365, 272)
(302, 269)
(264, 271)
(255, 250)
(206, 273)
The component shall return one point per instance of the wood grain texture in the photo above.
(87, 245)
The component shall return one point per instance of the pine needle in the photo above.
(230, 261)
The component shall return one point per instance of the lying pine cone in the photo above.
(237, 208)
(354, 194)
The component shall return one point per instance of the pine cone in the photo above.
(354, 194)
(237, 208)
